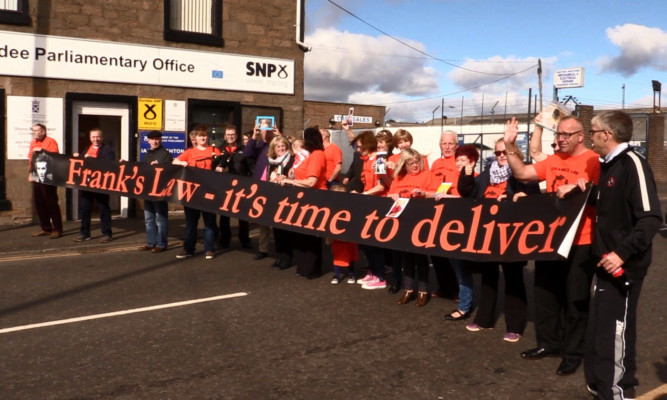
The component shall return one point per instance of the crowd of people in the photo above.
(611, 250)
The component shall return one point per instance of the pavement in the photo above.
(271, 335)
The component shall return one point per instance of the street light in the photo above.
(493, 111)
(657, 87)
(433, 116)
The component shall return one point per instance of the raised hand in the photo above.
(511, 131)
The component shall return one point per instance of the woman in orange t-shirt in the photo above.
(310, 173)
(374, 184)
(411, 179)
(403, 140)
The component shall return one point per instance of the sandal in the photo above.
(457, 315)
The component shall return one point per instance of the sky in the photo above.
(414, 56)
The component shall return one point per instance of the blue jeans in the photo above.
(191, 222)
(464, 277)
(155, 214)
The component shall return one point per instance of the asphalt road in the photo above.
(276, 335)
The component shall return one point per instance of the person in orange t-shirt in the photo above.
(444, 170)
(334, 157)
(374, 185)
(344, 253)
(199, 156)
(310, 173)
(402, 140)
(45, 196)
(412, 180)
(561, 286)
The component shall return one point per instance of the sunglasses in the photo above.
(499, 152)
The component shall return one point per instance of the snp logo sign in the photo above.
(266, 70)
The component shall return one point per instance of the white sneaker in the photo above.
(351, 280)
(367, 278)
(335, 281)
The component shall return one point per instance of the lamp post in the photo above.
(493, 111)
(433, 116)
(657, 87)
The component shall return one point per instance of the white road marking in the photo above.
(123, 312)
(67, 253)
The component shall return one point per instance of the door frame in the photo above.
(107, 105)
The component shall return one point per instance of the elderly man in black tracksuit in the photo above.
(628, 216)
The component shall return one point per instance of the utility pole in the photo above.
(481, 123)
(539, 79)
(461, 122)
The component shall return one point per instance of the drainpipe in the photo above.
(300, 16)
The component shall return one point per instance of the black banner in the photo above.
(539, 227)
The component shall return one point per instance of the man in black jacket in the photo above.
(628, 217)
(99, 150)
(231, 160)
(156, 212)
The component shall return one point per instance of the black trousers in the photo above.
(610, 359)
(46, 205)
(448, 285)
(307, 255)
(515, 296)
(562, 294)
(226, 231)
(85, 206)
(415, 271)
(284, 242)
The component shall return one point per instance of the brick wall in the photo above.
(656, 146)
(586, 115)
(265, 28)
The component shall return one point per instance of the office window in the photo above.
(14, 12)
(193, 21)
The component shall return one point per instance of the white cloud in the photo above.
(344, 65)
(483, 73)
(515, 88)
(640, 47)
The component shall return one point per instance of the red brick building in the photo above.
(131, 66)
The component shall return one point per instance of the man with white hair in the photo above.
(444, 170)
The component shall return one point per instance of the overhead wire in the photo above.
(413, 47)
